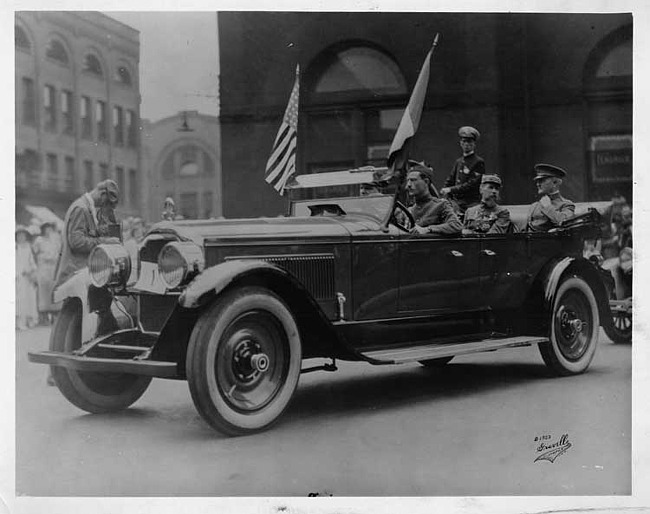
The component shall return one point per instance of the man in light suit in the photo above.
(86, 226)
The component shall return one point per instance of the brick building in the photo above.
(540, 87)
(77, 108)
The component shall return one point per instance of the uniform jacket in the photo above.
(541, 219)
(487, 220)
(80, 235)
(465, 179)
(438, 215)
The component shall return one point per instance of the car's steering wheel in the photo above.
(402, 217)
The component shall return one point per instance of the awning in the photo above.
(44, 215)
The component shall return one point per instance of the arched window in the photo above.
(617, 62)
(361, 69)
(92, 65)
(187, 160)
(355, 94)
(21, 39)
(123, 75)
(56, 51)
(608, 91)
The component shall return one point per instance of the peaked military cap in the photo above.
(548, 170)
(422, 167)
(469, 132)
(491, 179)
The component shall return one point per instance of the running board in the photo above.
(149, 368)
(424, 352)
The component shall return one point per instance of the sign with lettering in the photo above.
(611, 158)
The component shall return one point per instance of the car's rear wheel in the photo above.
(243, 361)
(436, 363)
(574, 328)
(90, 391)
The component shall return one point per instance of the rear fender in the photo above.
(557, 270)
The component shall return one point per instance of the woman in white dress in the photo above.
(26, 311)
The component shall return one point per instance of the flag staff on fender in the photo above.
(282, 162)
(408, 126)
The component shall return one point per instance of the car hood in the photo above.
(315, 227)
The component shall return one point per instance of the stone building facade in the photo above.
(182, 160)
(540, 88)
(77, 108)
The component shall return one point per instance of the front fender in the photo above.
(217, 278)
(100, 310)
(77, 287)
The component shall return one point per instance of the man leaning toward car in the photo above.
(86, 226)
(552, 208)
(488, 217)
(432, 215)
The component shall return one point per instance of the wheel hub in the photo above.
(571, 325)
(249, 361)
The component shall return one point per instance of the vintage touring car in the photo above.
(235, 306)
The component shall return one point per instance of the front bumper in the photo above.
(148, 368)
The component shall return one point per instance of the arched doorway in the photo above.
(355, 96)
(608, 96)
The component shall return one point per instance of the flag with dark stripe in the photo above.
(282, 162)
(399, 149)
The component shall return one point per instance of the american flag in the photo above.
(282, 163)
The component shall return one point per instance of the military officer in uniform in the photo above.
(487, 217)
(552, 208)
(432, 215)
(462, 184)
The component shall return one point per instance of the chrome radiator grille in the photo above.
(315, 272)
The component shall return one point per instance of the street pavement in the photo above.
(468, 429)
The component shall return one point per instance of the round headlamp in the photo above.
(178, 262)
(109, 265)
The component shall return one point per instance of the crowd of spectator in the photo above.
(37, 252)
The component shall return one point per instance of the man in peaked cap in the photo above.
(552, 208)
(462, 184)
(432, 215)
(488, 217)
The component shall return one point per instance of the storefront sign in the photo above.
(611, 158)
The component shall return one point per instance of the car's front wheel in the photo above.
(243, 361)
(573, 330)
(90, 391)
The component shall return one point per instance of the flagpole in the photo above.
(405, 144)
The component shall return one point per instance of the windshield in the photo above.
(374, 205)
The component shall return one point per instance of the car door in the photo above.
(504, 269)
(437, 274)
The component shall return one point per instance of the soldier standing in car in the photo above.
(462, 184)
(488, 217)
(431, 215)
(552, 208)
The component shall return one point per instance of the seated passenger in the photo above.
(487, 217)
(432, 215)
(551, 209)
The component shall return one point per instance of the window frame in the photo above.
(49, 108)
(54, 59)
